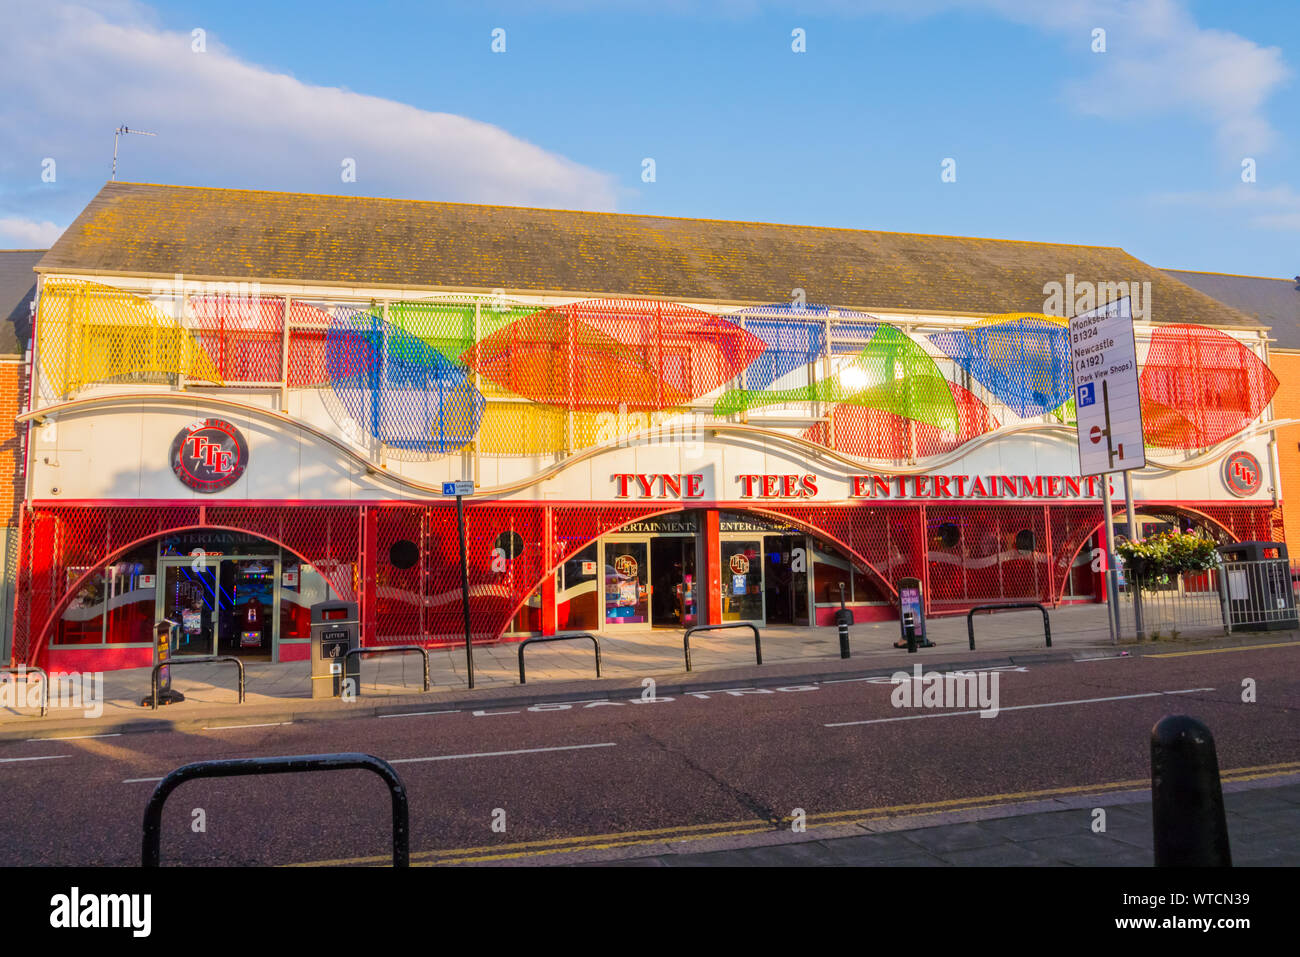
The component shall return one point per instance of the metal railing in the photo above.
(686, 639)
(153, 680)
(536, 641)
(382, 650)
(1009, 606)
(22, 671)
(151, 851)
(1234, 596)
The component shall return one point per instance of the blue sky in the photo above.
(1140, 146)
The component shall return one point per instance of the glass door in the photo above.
(189, 597)
(247, 612)
(627, 583)
(742, 580)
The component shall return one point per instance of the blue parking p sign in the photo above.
(1087, 394)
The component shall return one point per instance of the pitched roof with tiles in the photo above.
(1272, 302)
(245, 235)
(17, 290)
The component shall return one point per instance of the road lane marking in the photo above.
(231, 727)
(79, 737)
(1018, 707)
(415, 714)
(497, 754)
(1219, 651)
(43, 757)
(695, 832)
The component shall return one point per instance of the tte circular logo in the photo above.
(1242, 474)
(739, 564)
(209, 455)
(626, 566)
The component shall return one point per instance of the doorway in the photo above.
(785, 585)
(225, 605)
(742, 580)
(672, 582)
(627, 583)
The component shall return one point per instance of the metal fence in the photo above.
(1233, 597)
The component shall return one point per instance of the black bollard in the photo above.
(1190, 828)
(909, 630)
(842, 621)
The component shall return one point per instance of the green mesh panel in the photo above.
(893, 374)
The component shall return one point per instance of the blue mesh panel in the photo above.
(1025, 363)
(796, 336)
(397, 388)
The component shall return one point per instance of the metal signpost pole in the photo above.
(1138, 623)
(1112, 572)
(460, 490)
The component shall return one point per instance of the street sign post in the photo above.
(1103, 360)
(1108, 412)
(460, 490)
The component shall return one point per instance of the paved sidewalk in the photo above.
(278, 692)
(1263, 828)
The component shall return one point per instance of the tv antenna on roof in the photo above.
(116, 134)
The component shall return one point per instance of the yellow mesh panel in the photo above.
(92, 333)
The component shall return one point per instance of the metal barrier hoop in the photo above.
(535, 641)
(24, 670)
(381, 650)
(153, 680)
(151, 851)
(686, 638)
(970, 618)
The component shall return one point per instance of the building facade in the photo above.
(1273, 304)
(245, 402)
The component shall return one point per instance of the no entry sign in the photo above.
(1103, 361)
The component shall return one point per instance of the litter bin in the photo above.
(335, 630)
(1256, 577)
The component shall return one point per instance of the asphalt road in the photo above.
(624, 772)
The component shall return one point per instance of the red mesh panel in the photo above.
(243, 336)
(1247, 523)
(877, 434)
(885, 537)
(988, 553)
(603, 354)
(1199, 386)
(1071, 525)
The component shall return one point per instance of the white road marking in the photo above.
(228, 727)
(1019, 707)
(415, 714)
(497, 754)
(79, 737)
(43, 757)
(140, 780)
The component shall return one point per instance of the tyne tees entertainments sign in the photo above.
(804, 486)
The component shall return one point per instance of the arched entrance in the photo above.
(91, 580)
(1224, 523)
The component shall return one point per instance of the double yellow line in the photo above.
(696, 832)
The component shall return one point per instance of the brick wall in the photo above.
(13, 389)
(1286, 405)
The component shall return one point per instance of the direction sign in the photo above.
(1103, 363)
(457, 488)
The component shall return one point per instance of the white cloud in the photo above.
(1276, 207)
(19, 233)
(72, 71)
